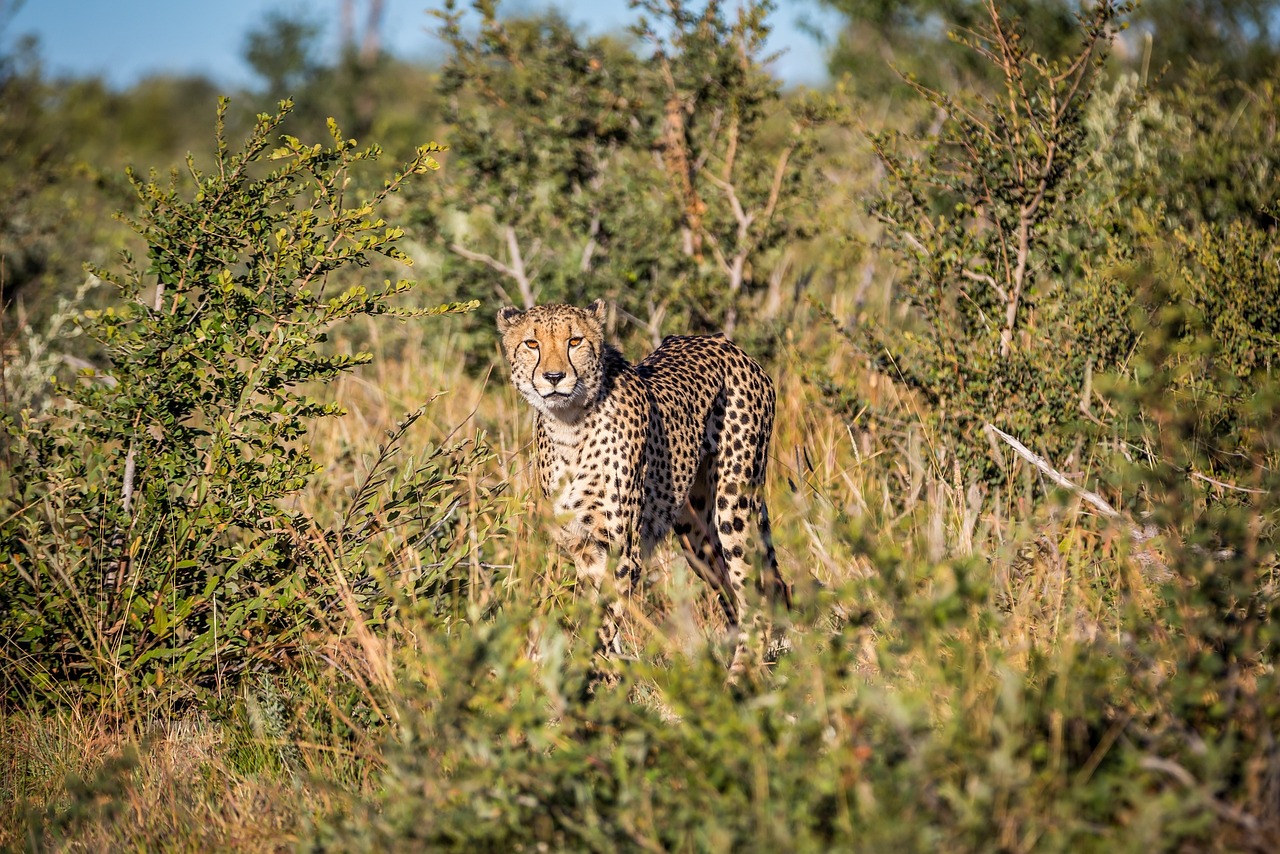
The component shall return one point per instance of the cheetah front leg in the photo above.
(602, 513)
(585, 537)
(591, 561)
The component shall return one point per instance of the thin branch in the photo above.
(488, 260)
(775, 189)
(1224, 485)
(725, 267)
(593, 230)
(126, 491)
(1025, 220)
(731, 154)
(910, 238)
(1140, 535)
(773, 299)
(1227, 812)
(1003, 242)
(85, 365)
(713, 137)
(743, 219)
(1053, 474)
(515, 271)
(584, 266)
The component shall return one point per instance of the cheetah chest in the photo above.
(592, 470)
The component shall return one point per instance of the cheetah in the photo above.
(629, 454)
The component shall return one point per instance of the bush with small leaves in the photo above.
(149, 542)
(674, 178)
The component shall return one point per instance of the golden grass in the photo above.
(828, 481)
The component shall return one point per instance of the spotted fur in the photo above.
(631, 454)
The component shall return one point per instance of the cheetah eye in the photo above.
(531, 343)
(575, 341)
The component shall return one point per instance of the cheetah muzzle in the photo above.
(630, 454)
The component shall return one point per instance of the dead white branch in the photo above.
(1225, 811)
(1053, 474)
(126, 491)
(514, 271)
(1141, 534)
(986, 280)
(1224, 485)
(589, 250)
(517, 267)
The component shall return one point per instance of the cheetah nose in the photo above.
(553, 377)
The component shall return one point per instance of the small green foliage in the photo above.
(148, 538)
(987, 220)
(1231, 276)
(675, 184)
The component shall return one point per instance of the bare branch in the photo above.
(743, 219)
(773, 300)
(126, 490)
(1025, 221)
(713, 136)
(775, 188)
(1053, 474)
(488, 260)
(85, 365)
(517, 266)
(725, 267)
(584, 266)
(653, 325)
(1224, 485)
(515, 271)
(1225, 811)
(731, 154)
(910, 238)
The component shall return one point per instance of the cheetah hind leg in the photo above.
(698, 538)
(755, 642)
(701, 547)
(737, 500)
(704, 546)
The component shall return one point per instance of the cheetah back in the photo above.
(710, 400)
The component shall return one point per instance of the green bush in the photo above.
(1199, 412)
(990, 221)
(676, 185)
(942, 738)
(149, 540)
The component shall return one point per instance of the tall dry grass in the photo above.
(259, 780)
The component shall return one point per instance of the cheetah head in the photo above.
(556, 355)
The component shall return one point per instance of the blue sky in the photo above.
(124, 40)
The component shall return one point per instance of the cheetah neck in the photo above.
(565, 428)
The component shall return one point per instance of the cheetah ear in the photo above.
(598, 310)
(507, 317)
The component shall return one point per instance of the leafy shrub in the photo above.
(991, 222)
(1220, 159)
(942, 738)
(673, 183)
(148, 541)
(1200, 410)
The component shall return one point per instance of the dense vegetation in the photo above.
(273, 571)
